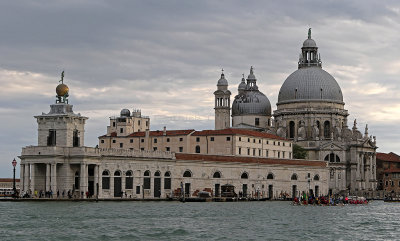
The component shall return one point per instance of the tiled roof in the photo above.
(161, 133)
(390, 157)
(392, 170)
(8, 180)
(215, 158)
(232, 131)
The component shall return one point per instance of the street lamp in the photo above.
(14, 163)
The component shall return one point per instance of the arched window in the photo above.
(146, 180)
(197, 149)
(129, 180)
(157, 174)
(294, 176)
(316, 177)
(105, 179)
(244, 175)
(167, 180)
(270, 176)
(76, 184)
(291, 129)
(327, 129)
(217, 175)
(332, 158)
(117, 173)
(187, 173)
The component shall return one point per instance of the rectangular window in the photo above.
(254, 152)
(142, 149)
(181, 139)
(131, 141)
(137, 189)
(267, 142)
(228, 138)
(240, 151)
(138, 122)
(254, 140)
(113, 123)
(51, 139)
(266, 153)
(154, 148)
(386, 183)
(279, 143)
(197, 139)
(274, 143)
(147, 123)
(167, 183)
(75, 138)
(105, 181)
(146, 183)
(279, 154)
(240, 138)
(167, 148)
(114, 141)
(142, 140)
(257, 121)
(248, 151)
(283, 154)
(167, 139)
(102, 141)
(283, 143)
(259, 141)
(121, 130)
(129, 183)
(248, 139)
(181, 149)
(259, 152)
(155, 140)
(211, 138)
(121, 145)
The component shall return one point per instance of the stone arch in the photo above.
(270, 176)
(217, 174)
(157, 174)
(117, 173)
(316, 177)
(332, 157)
(293, 177)
(244, 175)
(187, 173)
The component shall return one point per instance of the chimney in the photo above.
(165, 131)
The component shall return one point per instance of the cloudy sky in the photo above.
(164, 57)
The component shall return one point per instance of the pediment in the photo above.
(331, 146)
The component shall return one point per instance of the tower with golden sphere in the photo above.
(61, 126)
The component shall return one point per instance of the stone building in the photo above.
(242, 158)
(388, 172)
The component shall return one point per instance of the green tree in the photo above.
(299, 152)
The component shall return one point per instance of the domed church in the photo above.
(310, 111)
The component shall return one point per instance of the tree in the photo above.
(299, 152)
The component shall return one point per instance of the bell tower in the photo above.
(61, 126)
(222, 104)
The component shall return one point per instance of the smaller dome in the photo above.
(309, 43)
(242, 85)
(222, 81)
(125, 112)
(62, 90)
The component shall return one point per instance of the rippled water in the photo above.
(197, 221)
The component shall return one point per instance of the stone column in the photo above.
(162, 187)
(96, 179)
(53, 179)
(21, 179)
(82, 181)
(33, 176)
(47, 177)
(26, 178)
(100, 182)
(123, 184)
(111, 185)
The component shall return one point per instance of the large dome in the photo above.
(251, 103)
(311, 83)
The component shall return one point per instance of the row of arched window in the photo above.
(326, 134)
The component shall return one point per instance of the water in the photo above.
(197, 221)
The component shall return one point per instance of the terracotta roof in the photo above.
(8, 180)
(161, 133)
(390, 157)
(218, 158)
(232, 131)
(392, 170)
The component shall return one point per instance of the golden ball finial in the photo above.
(62, 90)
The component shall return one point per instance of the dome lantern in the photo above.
(309, 56)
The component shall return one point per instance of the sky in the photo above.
(165, 58)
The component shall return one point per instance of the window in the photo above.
(283, 154)
(113, 123)
(244, 175)
(197, 139)
(386, 183)
(129, 180)
(51, 139)
(105, 180)
(131, 140)
(154, 148)
(279, 143)
(187, 173)
(167, 148)
(274, 143)
(228, 138)
(147, 123)
(181, 139)
(167, 180)
(76, 180)
(167, 139)
(291, 129)
(257, 121)
(114, 141)
(142, 148)
(248, 139)
(217, 175)
(294, 177)
(138, 122)
(266, 154)
(279, 154)
(197, 149)
(254, 152)
(121, 145)
(327, 130)
(270, 176)
(248, 151)
(155, 140)
(316, 178)
(181, 149)
(142, 140)
(240, 138)
(267, 142)
(121, 130)
(259, 152)
(259, 141)
(211, 138)
(75, 138)
(146, 180)
(254, 140)
(137, 189)
(102, 141)
(283, 143)
(240, 151)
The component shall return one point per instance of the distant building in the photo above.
(388, 172)
(6, 186)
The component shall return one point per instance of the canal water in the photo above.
(197, 221)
